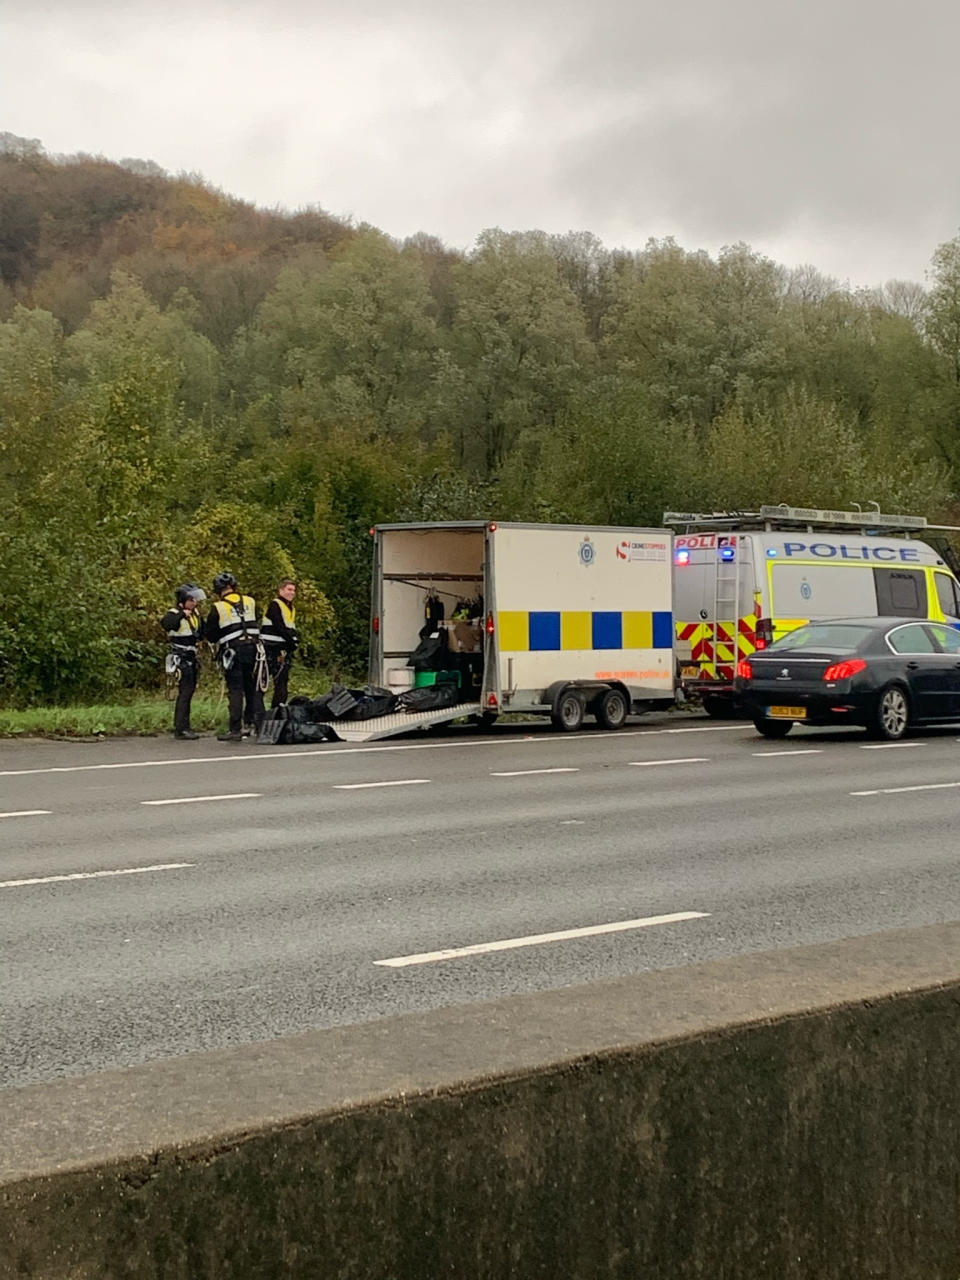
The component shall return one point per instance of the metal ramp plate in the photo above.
(401, 722)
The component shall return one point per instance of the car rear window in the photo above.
(824, 637)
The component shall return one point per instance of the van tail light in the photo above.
(744, 670)
(764, 634)
(844, 670)
(489, 627)
(376, 624)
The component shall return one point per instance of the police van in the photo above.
(745, 579)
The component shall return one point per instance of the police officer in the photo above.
(278, 630)
(231, 626)
(182, 625)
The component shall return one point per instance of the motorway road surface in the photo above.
(159, 897)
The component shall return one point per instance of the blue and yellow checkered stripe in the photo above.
(524, 630)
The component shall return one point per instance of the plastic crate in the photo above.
(424, 678)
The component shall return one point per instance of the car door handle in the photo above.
(913, 666)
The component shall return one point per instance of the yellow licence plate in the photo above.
(787, 713)
(690, 673)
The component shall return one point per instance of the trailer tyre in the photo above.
(716, 707)
(567, 713)
(613, 709)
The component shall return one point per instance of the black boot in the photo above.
(187, 734)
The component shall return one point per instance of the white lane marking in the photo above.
(363, 786)
(888, 746)
(525, 773)
(97, 875)
(25, 813)
(573, 822)
(706, 728)
(893, 791)
(535, 939)
(333, 750)
(238, 795)
(790, 751)
(650, 764)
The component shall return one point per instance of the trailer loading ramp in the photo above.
(401, 722)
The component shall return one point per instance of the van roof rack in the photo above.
(784, 516)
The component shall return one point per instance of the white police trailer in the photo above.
(575, 619)
(744, 579)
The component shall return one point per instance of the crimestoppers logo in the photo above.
(641, 550)
(587, 552)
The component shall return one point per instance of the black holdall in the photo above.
(432, 697)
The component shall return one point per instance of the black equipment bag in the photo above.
(431, 653)
(372, 702)
(431, 697)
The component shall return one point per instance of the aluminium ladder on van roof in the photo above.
(781, 516)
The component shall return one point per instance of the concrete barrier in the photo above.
(786, 1115)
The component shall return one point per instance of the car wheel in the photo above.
(772, 728)
(613, 709)
(568, 712)
(891, 714)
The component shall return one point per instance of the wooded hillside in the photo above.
(188, 383)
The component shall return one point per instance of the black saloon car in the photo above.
(885, 674)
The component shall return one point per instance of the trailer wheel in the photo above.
(484, 720)
(567, 713)
(613, 709)
(716, 707)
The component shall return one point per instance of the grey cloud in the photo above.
(816, 127)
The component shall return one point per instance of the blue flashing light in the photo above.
(682, 556)
(727, 553)
(771, 552)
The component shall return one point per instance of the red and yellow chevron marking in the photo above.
(712, 645)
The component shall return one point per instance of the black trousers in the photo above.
(279, 661)
(244, 699)
(185, 689)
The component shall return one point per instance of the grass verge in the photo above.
(145, 716)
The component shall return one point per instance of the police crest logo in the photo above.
(587, 552)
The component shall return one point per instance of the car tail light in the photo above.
(744, 670)
(844, 670)
(376, 625)
(764, 635)
(490, 624)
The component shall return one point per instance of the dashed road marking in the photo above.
(536, 939)
(525, 773)
(922, 786)
(790, 751)
(651, 764)
(888, 746)
(26, 813)
(237, 795)
(363, 786)
(97, 875)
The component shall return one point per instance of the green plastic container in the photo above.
(423, 678)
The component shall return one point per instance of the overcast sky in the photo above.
(820, 131)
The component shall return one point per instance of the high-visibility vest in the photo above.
(238, 619)
(269, 632)
(184, 637)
